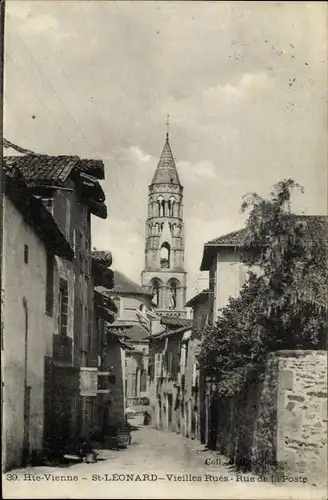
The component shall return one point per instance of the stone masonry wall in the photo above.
(302, 413)
(281, 420)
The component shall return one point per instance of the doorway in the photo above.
(170, 409)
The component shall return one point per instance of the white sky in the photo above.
(245, 85)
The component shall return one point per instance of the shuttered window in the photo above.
(158, 365)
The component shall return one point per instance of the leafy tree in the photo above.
(283, 304)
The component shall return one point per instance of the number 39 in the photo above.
(11, 477)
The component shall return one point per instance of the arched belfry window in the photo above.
(171, 204)
(173, 285)
(150, 208)
(165, 255)
(161, 206)
(155, 289)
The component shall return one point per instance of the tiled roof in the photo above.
(166, 320)
(134, 331)
(44, 170)
(230, 239)
(102, 298)
(169, 333)
(201, 297)
(102, 275)
(102, 257)
(92, 167)
(53, 169)
(123, 284)
(127, 346)
(166, 171)
(316, 228)
(36, 215)
(118, 332)
(138, 333)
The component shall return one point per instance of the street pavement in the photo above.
(157, 464)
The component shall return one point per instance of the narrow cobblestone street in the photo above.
(175, 467)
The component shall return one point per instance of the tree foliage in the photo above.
(283, 303)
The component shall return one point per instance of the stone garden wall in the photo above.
(280, 423)
(302, 412)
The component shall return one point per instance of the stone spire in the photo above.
(166, 171)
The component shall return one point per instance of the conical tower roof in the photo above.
(166, 171)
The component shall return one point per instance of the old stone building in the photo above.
(167, 378)
(174, 375)
(164, 273)
(200, 309)
(32, 240)
(134, 305)
(68, 186)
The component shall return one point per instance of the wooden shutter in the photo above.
(194, 374)
(158, 365)
(169, 364)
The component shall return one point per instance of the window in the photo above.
(171, 203)
(169, 364)
(136, 380)
(103, 382)
(155, 288)
(85, 330)
(158, 365)
(63, 307)
(142, 308)
(74, 240)
(117, 301)
(194, 375)
(173, 295)
(80, 249)
(161, 206)
(186, 358)
(26, 254)
(165, 255)
(50, 285)
(49, 204)
(143, 381)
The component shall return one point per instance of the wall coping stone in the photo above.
(287, 353)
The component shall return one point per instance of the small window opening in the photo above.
(26, 254)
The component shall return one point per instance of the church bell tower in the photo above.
(164, 273)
